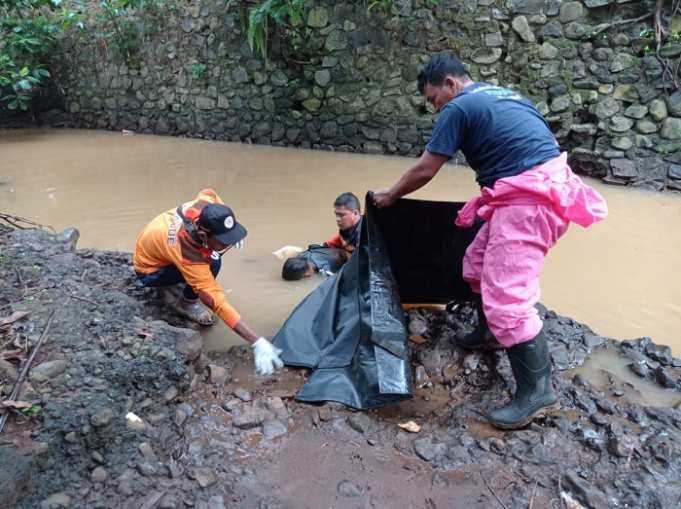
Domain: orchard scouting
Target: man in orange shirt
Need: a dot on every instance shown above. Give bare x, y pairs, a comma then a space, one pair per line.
348, 217
184, 245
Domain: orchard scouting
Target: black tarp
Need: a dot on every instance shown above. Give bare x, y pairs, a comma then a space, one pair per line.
351, 328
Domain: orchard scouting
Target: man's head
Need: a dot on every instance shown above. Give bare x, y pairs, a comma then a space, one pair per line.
218, 227
296, 268
442, 79
347, 210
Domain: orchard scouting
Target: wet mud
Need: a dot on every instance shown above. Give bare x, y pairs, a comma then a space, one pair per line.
131, 411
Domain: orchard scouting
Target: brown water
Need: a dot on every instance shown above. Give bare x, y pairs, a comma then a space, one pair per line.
622, 277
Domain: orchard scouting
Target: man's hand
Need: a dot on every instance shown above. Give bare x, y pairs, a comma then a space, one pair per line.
383, 198
266, 357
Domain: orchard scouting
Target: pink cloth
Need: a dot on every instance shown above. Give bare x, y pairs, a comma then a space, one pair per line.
525, 216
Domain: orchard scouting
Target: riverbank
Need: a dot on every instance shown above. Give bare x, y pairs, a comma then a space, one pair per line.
202, 431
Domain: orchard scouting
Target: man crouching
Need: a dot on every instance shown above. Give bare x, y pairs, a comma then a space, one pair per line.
184, 246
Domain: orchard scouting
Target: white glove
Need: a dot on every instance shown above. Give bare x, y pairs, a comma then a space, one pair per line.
239, 245
266, 357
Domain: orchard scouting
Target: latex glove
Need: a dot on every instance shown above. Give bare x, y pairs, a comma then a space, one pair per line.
239, 245
266, 357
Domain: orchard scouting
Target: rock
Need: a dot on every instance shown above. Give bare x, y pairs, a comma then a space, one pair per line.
146, 469
417, 326
16, 472
561, 103
646, 127
621, 445
204, 476
218, 375
170, 394
322, 78
586, 493
552, 29
585, 403
336, 40
427, 449
494, 40
657, 109
243, 394
69, 237
360, 422
605, 406
273, 429
592, 439
592, 341
486, 56
606, 108
99, 474
147, 452
547, 51
575, 30
48, 370
620, 124
55, 501
471, 362
622, 61
522, 28
671, 128
664, 378
626, 93
623, 168
248, 417
591, 4
660, 353
599, 419
636, 111
318, 17
570, 11
347, 489
640, 369
421, 378
102, 417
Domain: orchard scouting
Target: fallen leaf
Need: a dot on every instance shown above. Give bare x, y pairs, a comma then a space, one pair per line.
8, 403
16, 316
419, 340
410, 426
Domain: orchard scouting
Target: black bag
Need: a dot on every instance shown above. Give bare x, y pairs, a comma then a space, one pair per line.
351, 329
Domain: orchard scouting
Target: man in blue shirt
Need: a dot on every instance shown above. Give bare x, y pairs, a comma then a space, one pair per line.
528, 197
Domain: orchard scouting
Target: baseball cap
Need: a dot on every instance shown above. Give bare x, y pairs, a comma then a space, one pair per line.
220, 222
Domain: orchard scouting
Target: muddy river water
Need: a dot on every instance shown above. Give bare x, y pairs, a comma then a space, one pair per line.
622, 277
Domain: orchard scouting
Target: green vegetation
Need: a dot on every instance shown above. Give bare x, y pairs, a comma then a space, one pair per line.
28, 30
287, 16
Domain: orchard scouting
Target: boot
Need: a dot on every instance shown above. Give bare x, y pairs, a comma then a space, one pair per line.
534, 395
480, 337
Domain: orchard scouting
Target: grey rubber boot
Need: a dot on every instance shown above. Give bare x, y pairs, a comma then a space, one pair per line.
534, 395
480, 337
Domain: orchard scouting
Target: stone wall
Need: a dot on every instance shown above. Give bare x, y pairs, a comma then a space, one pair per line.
351, 85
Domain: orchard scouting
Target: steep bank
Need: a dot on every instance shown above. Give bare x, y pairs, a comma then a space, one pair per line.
213, 435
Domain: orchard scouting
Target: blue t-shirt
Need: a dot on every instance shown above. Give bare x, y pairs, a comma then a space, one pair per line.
499, 131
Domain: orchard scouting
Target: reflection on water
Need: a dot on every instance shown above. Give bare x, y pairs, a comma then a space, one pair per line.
621, 277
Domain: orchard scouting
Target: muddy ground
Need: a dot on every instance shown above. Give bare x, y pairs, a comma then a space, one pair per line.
203, 431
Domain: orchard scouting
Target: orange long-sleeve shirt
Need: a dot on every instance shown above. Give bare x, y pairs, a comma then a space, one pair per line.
165, 241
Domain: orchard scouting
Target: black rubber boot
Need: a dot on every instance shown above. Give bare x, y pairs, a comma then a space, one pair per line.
534, 395
480, 337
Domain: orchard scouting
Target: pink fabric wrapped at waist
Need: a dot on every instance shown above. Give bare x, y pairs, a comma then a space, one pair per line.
552, 183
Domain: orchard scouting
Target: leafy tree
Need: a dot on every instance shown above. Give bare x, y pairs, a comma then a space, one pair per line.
28, 30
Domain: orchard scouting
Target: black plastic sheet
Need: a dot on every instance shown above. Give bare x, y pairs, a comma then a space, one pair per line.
351, 329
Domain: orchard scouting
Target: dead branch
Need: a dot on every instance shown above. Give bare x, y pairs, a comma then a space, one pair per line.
18, 221
491, 490
606, 26
24, 370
